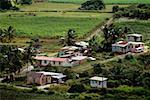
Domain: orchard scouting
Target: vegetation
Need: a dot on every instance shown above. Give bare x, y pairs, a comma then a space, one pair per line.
28, 24
25, 1
8, 4
136, 26
106, 1
140, 11
92, 5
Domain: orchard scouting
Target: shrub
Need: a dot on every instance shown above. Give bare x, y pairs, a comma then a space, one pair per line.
77, 88
93, 5
129, 57
60, 88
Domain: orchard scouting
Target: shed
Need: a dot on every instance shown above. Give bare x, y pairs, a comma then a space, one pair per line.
100, 82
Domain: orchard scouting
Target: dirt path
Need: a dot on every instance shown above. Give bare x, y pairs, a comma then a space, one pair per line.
99, 29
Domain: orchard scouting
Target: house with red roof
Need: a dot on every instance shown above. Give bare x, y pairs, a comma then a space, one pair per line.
54, 61
121, 47
125, 47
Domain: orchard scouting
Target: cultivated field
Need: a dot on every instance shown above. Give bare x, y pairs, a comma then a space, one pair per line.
106, 1
51, 24
49, 7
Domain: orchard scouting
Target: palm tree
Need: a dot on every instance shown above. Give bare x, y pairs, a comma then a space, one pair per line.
10, 32
70, 38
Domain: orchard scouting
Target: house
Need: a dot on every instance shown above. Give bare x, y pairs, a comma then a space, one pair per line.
134, 37
124, 47
100, 82
82, 44
137, 47
121, 47
79, 59
44, 61
42, 78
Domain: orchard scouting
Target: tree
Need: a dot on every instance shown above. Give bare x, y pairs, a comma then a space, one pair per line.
8, 4
70, 38
6, 35
5, 4
10, 33
115, 8
93, 5
11, 61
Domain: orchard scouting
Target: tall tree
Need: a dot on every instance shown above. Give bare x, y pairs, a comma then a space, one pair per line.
70, 38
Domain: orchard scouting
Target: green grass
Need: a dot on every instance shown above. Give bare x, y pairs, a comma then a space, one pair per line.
51, 24
106, 1
49, 7
15, 95
137, 26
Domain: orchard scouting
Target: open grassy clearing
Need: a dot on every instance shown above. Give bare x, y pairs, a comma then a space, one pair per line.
51, 24
15, 95
137, 26
56, 7
49, 7
106, 1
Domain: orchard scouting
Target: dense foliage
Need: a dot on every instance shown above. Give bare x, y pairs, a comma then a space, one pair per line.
141, 11
93, 5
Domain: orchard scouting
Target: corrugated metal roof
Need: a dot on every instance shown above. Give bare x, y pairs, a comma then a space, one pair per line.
96, 78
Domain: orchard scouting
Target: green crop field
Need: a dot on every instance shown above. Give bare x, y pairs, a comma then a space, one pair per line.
137, 26
49, 7
106, 1
51, 24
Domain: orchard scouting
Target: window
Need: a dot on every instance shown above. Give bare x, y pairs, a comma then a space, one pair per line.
45, 61
59, 63
99, 82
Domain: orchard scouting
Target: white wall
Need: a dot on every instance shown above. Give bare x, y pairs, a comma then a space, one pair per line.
99, 84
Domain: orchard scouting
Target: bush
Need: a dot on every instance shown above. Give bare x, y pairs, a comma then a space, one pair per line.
93, 5
34, 88
84, 74
129, 57
77, 88
59, 88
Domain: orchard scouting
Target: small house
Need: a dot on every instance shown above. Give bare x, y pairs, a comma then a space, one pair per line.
100, 82
79, 59
134, 37
44, 61
121, 47
42, 78
137, 46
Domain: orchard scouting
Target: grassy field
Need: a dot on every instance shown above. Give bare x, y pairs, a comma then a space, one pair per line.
106, 1
51, 24
49, 7
137, 26
57, 7
11, 95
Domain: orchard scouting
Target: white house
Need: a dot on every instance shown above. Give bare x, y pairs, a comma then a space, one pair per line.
100, 82
52, 61
137, 46
134, 37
